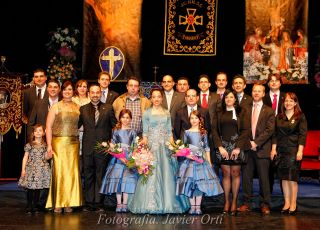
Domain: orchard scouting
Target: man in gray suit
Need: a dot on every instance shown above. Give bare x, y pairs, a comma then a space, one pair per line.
262, 127
98, 120
172, 100
108, 96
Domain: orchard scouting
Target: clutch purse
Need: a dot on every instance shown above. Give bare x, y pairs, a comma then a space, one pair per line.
242, 157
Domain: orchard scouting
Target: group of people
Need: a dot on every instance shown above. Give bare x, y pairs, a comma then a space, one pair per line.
226, 129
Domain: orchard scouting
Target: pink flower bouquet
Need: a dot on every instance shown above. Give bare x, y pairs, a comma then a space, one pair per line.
112, 149
180, 149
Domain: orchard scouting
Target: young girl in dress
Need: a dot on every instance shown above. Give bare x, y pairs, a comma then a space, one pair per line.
118, 178
194, 178
35, 173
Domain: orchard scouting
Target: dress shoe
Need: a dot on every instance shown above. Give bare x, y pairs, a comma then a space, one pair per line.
124, 208
68, 210
225, 212
192, 210
293, 212
284, 211
99, 209
265, 210
119, 208
198, 210
88, 209
244, 208
57, 210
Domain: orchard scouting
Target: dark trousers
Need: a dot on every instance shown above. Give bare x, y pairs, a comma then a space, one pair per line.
32, 198
262, 167
43, 198
94, 167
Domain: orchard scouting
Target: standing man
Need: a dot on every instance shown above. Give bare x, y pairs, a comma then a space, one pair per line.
108, 96
182, 121
39, 115
262, 126
205, 94
182, 84
238, 85
32, 94
98, 120
274, 99
135, 102
172, 100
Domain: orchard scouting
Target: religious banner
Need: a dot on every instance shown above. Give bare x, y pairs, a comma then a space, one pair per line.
10, 103
276, 41
112, 61
190, 27
111, 23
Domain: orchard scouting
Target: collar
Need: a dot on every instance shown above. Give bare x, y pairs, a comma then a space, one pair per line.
169, 92
207, 92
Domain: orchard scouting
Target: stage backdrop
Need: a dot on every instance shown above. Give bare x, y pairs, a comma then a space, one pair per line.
190, 27
276, 41
112, 23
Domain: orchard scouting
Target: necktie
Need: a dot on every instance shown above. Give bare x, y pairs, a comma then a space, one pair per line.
274, 102
239, 98
204, 101
103, 97
221, 95
96, 114
191, 110
254, 120
39, 94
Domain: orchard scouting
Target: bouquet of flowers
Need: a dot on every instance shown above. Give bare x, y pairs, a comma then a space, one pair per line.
112, 149
62, 46
141, 160
180, 149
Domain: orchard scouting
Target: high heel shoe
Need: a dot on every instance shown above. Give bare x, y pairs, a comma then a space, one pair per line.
294, 212
284, 211
225, 212
233, 212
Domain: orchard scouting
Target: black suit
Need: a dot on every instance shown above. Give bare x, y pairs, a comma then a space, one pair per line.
182, 121
29, 100
268, 101
211, 97
177, 102
95, 163
39, 112
111, 97
246, 101
260, 158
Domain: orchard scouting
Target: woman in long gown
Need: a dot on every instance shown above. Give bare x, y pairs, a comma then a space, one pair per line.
157, 195
63, 142
288, 142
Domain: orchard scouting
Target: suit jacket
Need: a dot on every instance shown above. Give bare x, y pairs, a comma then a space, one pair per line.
246, 101
211, 96
111, 96
182, 121
264, 131
177, 102
96, 133
267, 100
214, 105
30, 98
39, 112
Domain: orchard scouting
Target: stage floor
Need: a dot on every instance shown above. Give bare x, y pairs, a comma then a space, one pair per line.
12, 213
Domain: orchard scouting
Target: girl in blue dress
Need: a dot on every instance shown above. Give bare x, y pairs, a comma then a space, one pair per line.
197, 179
157, 195
118, 178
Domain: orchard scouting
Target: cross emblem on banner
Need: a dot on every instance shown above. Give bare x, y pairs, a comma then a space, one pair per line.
191, 20
112, 59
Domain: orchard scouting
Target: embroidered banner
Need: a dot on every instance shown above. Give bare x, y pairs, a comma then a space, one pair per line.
276, 41
10, 103
190, 27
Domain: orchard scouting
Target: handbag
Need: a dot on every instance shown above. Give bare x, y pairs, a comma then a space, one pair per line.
242, 158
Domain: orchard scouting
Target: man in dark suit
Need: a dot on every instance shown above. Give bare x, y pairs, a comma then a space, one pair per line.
172, 100
41, 108
32, 94
39, 116
182, 121
206, 96
262, 127
98, 120
238, 85
108, 96
274, 99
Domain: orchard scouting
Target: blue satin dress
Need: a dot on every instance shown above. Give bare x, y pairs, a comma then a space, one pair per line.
196, 179
118, 178
157, 195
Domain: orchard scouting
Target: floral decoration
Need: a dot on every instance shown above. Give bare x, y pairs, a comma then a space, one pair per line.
179, 149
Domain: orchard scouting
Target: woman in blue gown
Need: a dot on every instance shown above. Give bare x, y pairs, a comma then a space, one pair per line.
157, 195
118, 178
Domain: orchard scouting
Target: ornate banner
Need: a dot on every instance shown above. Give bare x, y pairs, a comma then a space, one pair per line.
190, 27
10, 103
276, 41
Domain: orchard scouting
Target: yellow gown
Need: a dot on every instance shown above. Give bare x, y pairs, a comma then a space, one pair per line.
65, 188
